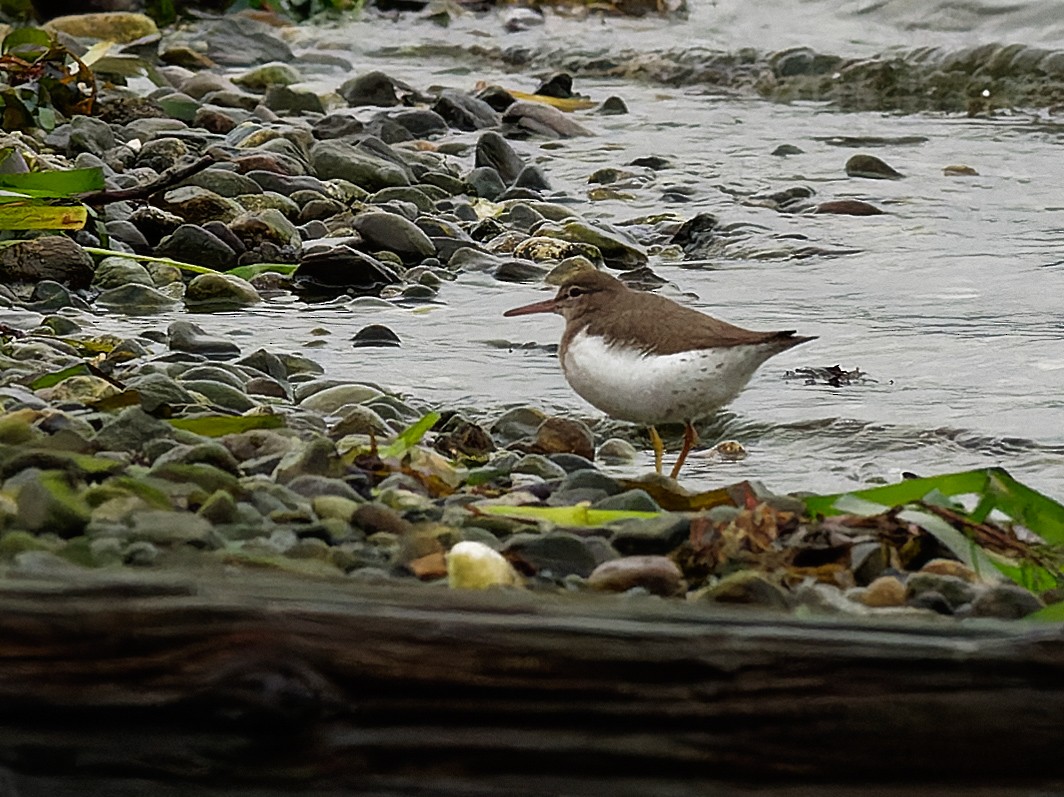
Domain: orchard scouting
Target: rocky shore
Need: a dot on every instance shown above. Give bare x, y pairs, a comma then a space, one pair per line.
180, 448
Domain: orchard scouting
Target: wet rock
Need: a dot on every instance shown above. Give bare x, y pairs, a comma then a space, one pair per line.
473, 565
81, 389
871, 167
316, 456
657, 535
50, 257
544, 120
956, 591
749, 588
269, 225
372, 88
959, 170
635, 500
191, 243
238, 40
658, 575
564, 435
784, 150
198, 206
130, 430
618, 249
932, 601
88, 134
848, 207
342, 269
538, 465
337, 125
113, 272
359, 419
485, 182
395, 234
160, 154
376, 518
556, 553
155, 223
127, 233
951, 567
1006, 601
286, 100
339, 160
612, 106
220, 291
136, 299
464, 112
616, 451
158, 391
224, 182
189, 337
516, 424
375, 335
496, 152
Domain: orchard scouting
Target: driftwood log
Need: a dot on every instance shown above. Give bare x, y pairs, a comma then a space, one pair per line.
270, 685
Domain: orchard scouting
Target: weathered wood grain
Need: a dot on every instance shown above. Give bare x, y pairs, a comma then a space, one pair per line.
270, 685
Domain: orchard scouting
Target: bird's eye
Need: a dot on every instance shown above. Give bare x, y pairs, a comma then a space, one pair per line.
575, 291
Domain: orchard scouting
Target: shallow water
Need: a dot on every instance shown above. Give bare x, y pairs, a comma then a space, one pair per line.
951, 303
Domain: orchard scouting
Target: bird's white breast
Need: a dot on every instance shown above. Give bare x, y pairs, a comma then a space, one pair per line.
657, 388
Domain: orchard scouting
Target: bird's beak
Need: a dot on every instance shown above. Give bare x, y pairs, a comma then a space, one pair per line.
546, 306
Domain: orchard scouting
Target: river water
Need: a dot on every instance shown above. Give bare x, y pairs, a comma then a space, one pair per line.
950, 302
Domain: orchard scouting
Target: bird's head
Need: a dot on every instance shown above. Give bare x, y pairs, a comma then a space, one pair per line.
576, 294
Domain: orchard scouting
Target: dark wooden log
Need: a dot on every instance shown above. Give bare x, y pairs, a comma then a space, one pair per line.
272, 685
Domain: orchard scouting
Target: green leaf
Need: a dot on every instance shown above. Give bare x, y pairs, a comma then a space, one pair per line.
409, 437
219, 425
247, 272
56, 183
54, 378
581, 515
963, 548
904, 492
1053, 613
30, 215
33, 40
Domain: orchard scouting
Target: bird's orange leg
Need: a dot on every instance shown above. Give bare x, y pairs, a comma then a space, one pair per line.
690, 440
659, 448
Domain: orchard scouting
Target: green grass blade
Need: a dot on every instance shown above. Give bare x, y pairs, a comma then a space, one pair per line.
54, 378
904, 492
247, 272
579, 516
1026, 506
409, 437
95, 250
219, 425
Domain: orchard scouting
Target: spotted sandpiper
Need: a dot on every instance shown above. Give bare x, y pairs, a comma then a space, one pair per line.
643, 358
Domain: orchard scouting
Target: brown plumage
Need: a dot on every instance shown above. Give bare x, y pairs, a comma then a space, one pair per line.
646, 359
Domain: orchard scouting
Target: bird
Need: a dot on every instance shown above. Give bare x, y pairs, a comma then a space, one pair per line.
645, 359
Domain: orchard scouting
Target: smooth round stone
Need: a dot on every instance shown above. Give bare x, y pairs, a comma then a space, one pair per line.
559, 553
657, 535
630, 501
565, 435
286, 100
81, 389
749, 588
371, 88
200, 84
210, 453
517, 424
287, 185
362, 420
474, 565
538, 465
870, 166
1006, 601
130, 429
197, 205
265, 362
191, 243
269, 200
215, 373
89, 134
375, 335
484, 182
127, 233
956, 591
136, 299
224, 182
395, 234
884, 591
337, 125
590, 478
332, 398
267, 387
274, 73
335, 159
314, 486
658, 575
188, 337
268, 224
218, 291
156, 389
161, 154
616, 451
